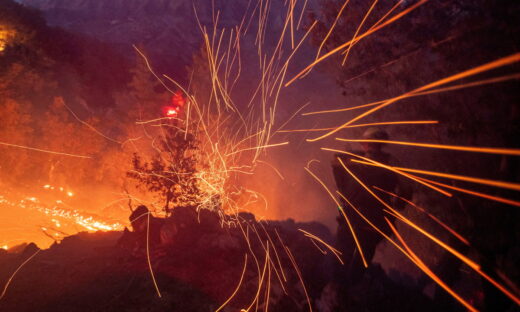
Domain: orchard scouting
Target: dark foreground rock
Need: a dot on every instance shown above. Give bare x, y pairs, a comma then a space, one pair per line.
197, 266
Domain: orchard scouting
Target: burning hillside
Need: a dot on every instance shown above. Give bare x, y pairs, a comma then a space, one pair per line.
150, 151
203, 265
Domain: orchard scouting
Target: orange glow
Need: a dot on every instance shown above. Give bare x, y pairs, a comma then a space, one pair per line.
6, 35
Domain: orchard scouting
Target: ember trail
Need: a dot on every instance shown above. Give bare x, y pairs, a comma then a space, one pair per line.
295, 155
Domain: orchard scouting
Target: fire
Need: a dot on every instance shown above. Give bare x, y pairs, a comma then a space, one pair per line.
177, 103
6, 36
170, 112
62, 218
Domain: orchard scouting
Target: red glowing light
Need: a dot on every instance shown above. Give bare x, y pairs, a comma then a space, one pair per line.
178, 100
171, 111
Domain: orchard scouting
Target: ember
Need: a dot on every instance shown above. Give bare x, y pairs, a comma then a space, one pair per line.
368, 116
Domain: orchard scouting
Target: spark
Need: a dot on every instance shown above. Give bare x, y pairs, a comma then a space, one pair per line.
293, 261
257, 148
463, 190
487, 150
420, 265
444, 225
347, 44
428, 272
276, 253
357, 31
16, 271
313, 238
43, 150
434, 91
88, 125
386, 123
457, 254
478, 194
508, 60
342, 213
370, 161
238, 286
500, 184
331, 28
148, 256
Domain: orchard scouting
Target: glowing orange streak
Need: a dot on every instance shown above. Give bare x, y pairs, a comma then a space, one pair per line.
404, 219
238, 286
301, 14
276, 254
428, 272
488, 150
246, 238
277, 49
291, 16
387, 13
324, 252
261, 281
278, 81
342, 213
381, 19
501, 184
287, 61
292, 116
343, 109
409, 256
268, 292
476, 70
257, 148
88, 125
357, 31
148, 256
331, 28
16, 271
43, 150
411, 122
491, 197
151, 70
343, 46
288, 251
409, 176
314, 237
270, 260
449, 229
464, 259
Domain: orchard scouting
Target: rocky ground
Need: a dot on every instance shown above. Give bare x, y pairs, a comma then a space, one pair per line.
197, 267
